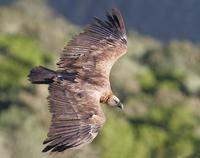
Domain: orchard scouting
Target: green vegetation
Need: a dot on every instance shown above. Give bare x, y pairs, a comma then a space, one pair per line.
17, 55
159, 85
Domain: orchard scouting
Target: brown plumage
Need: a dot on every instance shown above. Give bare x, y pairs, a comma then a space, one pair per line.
82, 82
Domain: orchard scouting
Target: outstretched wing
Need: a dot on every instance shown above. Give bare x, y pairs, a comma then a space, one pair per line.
93, 52
76, 113
76, 117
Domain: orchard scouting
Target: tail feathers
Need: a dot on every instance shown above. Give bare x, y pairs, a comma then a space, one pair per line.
41, 75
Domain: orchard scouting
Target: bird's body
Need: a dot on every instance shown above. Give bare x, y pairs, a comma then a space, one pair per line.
81, 83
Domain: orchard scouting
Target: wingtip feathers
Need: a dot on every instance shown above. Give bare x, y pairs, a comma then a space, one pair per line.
117, 18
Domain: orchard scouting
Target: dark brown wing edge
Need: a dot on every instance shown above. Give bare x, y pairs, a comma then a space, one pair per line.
117, 17
113, 26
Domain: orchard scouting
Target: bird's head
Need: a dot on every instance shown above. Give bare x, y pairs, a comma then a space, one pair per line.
114, 101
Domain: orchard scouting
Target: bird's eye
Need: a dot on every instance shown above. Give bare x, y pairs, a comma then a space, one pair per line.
116, 101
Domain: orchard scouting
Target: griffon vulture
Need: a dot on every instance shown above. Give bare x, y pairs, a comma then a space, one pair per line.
81, 83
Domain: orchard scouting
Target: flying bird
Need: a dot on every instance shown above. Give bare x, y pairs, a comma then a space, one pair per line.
81, 83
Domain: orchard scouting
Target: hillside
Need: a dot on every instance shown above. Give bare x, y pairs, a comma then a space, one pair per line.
162, 19
158, 83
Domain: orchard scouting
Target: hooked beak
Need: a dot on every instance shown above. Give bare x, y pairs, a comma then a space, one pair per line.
120, 105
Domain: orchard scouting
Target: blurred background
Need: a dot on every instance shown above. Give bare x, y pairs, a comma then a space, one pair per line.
158, 80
